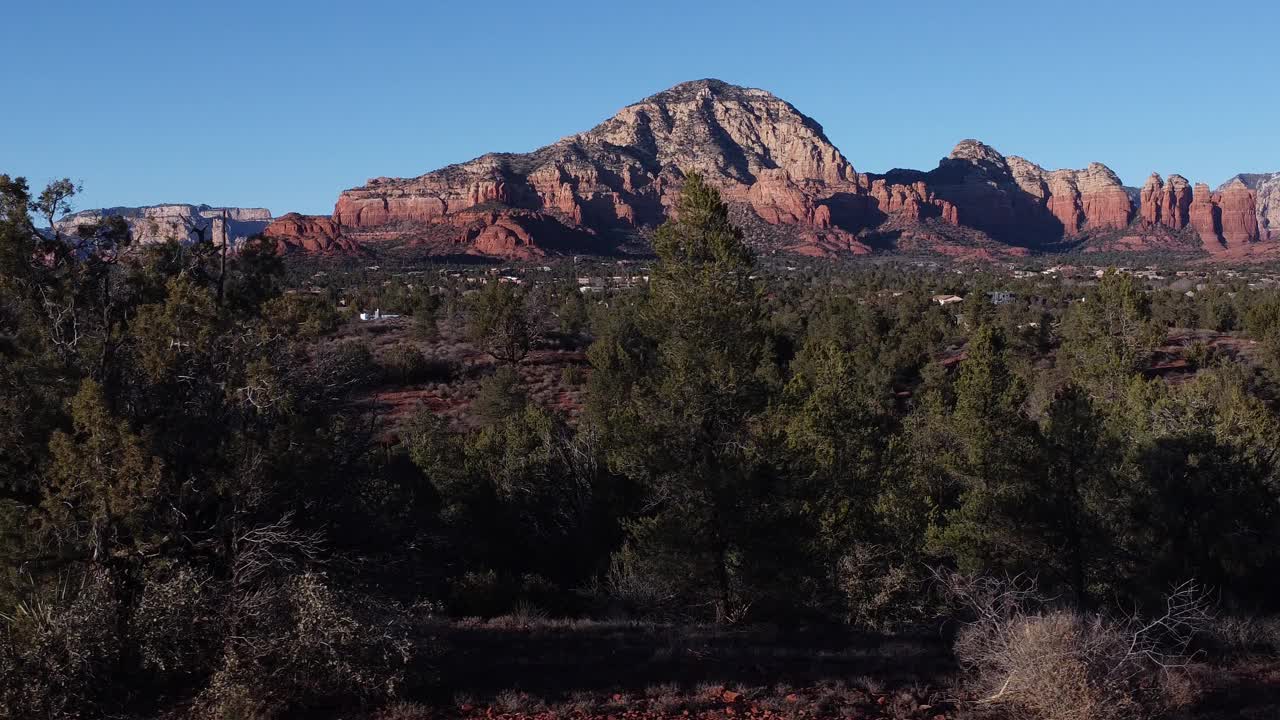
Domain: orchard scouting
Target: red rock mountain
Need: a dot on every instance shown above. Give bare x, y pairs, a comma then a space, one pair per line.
603, 189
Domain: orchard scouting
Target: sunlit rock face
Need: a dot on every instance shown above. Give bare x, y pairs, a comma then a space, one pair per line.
183, 223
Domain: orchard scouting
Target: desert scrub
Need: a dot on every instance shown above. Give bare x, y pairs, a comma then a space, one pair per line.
1032, 659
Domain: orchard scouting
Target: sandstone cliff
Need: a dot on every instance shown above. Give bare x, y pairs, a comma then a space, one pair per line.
1266, 188
1224, 220
184, 223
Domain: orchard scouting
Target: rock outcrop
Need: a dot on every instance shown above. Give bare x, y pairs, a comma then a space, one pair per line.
1204, 216
1237, 214
1166, 203
184, 223
309, 233
1093, 198
1226, 219
1016, 200
1266, 189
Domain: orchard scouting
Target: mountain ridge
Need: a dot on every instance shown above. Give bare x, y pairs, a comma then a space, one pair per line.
604, 189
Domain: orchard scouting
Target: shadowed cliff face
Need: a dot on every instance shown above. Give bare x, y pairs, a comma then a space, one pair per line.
1018, 202
585, 192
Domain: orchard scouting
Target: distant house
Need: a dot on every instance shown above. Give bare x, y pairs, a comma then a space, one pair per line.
1000, 297
947, 299
377, 315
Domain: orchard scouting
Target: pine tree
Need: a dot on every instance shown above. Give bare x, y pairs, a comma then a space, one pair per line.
501, 324
687, 427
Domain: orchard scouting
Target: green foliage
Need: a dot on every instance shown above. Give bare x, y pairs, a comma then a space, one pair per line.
194, 500
426, 317
501, 396
572, 314
253, 277
174, 335
405, 363
700, 238
156, 448
988, 446
1111, 334
500, 324
102, 483
308, 316
689, 403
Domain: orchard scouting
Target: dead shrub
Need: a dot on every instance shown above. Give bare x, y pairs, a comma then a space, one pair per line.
176, 625
481, 594
404, 711
1062, 665
300, 643
879, 591
60, 649
1242, 636
514, 702
634, 584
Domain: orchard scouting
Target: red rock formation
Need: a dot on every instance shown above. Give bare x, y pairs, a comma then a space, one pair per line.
827, 244
625, 173
779, 201
310, 233
1266, 191
1105, 201
1167, 204
1204, 217
1089, 199
1237, 213
1225, 219
1149, 200
912, 201
1015, 200
504, 236
773, 163
375, 211
1176, 207
756, 148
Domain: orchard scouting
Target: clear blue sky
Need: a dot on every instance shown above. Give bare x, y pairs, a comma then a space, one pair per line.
284, 104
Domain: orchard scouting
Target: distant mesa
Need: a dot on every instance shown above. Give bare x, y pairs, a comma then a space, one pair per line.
180, 222
604, 190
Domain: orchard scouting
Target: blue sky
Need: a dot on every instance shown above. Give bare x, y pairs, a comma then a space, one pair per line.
284, 104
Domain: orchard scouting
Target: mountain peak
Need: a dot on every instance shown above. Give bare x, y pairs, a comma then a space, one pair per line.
692, 90
975, 151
